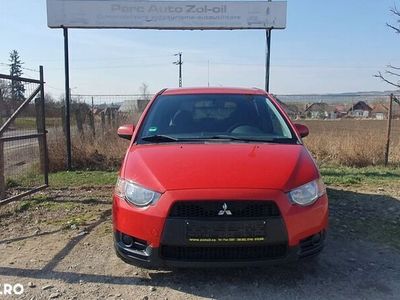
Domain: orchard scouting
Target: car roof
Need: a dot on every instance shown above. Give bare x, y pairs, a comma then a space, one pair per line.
214, 90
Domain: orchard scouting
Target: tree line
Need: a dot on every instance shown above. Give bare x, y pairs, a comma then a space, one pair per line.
12, 92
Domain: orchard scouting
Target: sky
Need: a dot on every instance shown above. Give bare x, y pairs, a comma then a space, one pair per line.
327, 47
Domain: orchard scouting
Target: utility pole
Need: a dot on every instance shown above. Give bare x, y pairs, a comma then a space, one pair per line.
179, 62
67, 102
267, 57
389, 129
2, 178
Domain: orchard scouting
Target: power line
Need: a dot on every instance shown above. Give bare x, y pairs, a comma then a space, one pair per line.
123, 58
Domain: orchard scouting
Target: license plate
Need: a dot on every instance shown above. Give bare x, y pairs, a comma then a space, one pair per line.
225, 232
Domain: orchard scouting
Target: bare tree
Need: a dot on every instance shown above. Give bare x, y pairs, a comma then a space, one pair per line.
144, 91
392, 73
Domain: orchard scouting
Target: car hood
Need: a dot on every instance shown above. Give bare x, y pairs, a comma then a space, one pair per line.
164, 167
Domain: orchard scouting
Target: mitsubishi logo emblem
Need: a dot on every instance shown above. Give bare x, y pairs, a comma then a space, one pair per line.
224, 211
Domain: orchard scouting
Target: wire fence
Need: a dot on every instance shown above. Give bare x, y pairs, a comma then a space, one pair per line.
95, 119
23, 154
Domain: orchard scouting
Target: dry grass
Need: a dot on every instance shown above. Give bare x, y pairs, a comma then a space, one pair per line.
104, 152
346, 142
351, 142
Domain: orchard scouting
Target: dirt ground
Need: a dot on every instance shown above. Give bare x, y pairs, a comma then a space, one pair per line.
58, 245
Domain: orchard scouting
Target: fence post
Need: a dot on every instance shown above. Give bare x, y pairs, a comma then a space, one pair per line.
389, 128
113, 119
103, 122
2, 178
79, 123
109, 117
91, 119
45, 154
91, 123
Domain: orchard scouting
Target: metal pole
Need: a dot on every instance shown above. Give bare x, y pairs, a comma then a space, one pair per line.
180, 69
2, 171
179, 62
67, 101
267, 59
389, 128
43, 127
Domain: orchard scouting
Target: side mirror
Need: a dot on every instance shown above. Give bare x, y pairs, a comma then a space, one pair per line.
126, 131
302, 130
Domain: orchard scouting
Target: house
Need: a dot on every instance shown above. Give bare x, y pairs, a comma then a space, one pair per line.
320, 110
380, 111
106, 106
360, 110
341, 110
102, 110
291, 109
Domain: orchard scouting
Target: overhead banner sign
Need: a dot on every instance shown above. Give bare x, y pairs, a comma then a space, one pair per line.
202, 15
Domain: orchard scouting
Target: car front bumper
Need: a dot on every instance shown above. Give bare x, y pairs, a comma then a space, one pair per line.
154, 258
155, 238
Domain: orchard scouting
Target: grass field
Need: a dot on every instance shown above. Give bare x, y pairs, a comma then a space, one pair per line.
82, 178
30, 123
351, 142
346, 142
373, 176
333, 175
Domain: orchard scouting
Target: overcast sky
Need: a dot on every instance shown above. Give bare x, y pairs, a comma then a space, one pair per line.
328, 46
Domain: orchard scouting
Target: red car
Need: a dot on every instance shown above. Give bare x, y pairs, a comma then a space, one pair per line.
217, 177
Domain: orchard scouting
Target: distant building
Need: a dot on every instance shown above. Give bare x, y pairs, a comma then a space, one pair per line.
320, 110
379, 111
105, 109
341, 110
360, 110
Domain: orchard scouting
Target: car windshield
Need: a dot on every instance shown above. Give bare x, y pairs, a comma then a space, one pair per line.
199, 117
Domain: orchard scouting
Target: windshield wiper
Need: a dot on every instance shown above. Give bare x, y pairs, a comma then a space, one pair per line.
249, 139
236, 138
159, 138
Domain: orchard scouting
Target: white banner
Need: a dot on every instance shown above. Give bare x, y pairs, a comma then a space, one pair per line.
166, 14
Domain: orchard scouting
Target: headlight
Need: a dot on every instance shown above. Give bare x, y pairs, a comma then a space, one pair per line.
135, 194
308, 193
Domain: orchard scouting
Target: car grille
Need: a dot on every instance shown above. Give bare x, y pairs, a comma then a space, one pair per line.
231, 253
210, 209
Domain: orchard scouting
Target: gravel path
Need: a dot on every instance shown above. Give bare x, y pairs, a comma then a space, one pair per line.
53, 255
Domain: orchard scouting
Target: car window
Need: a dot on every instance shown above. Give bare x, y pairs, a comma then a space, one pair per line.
209, 115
